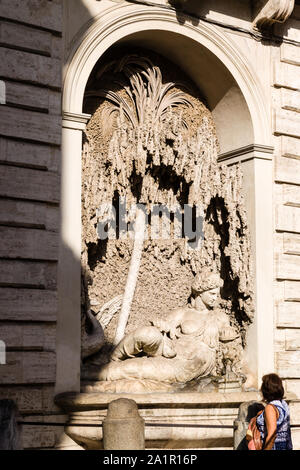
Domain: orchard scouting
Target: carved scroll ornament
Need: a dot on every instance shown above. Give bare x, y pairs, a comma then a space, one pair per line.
272, 11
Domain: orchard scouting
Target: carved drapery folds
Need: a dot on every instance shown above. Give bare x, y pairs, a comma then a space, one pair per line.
272, 11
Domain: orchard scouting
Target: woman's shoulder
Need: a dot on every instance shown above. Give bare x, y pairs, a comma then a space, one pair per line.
282, 407
271, 407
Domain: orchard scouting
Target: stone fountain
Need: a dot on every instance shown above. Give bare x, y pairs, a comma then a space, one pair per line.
167, 279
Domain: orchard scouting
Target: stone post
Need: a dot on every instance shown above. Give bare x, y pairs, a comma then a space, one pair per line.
247, 410
10, 430
123, 428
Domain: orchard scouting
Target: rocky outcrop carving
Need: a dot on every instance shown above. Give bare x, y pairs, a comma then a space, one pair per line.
272, 11
151, 141
148, 132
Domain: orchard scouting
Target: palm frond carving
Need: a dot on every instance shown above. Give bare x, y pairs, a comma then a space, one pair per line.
147, 99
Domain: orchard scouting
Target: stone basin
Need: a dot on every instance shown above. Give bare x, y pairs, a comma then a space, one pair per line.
172, 420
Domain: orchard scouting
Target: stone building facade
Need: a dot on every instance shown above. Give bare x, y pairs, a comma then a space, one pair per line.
244, 58
31, 37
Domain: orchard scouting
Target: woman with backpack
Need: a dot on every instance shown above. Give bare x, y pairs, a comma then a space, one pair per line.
274, 422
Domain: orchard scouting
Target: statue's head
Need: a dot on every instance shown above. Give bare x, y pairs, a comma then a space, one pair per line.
206, 287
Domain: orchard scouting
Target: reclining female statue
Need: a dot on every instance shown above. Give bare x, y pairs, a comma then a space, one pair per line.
179, 348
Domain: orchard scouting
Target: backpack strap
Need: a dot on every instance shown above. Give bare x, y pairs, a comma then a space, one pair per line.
269, 445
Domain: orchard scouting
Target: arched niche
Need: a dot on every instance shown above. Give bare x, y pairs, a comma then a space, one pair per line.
218, 88
232, 92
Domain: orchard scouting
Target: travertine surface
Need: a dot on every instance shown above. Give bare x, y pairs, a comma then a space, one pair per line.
193, 343
30, 189
31, 36
286, 206
159, 148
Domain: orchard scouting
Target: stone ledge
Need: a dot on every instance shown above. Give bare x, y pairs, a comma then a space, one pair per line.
172, 420
188, 420
97, 401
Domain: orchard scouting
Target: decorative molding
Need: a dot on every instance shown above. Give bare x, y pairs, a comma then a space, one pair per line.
75, 121
272, 11
121, 20
249, 152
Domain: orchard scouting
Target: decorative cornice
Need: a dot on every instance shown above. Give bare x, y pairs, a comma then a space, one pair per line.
249, 152
75, 121
272, 11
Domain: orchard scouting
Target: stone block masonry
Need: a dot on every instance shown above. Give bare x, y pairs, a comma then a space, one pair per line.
30, 140
286, 129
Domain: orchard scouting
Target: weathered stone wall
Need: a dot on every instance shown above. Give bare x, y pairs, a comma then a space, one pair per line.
30, 138
286, 109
